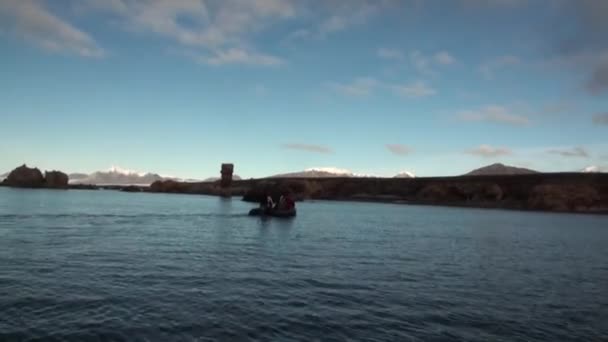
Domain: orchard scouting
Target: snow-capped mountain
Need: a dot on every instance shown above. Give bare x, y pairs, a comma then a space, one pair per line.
119, 176
324, 172
405, 174
320, 172
594, 169
115, 176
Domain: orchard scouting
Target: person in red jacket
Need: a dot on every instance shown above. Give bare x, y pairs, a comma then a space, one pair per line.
289, 202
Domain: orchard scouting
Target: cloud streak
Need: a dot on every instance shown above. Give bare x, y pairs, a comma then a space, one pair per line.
31, 21
487, 151
495, 114
365, 86
576, 152
308, 148
398, 149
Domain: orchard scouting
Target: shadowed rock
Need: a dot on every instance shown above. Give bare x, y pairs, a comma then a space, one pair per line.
55, 180
25, 177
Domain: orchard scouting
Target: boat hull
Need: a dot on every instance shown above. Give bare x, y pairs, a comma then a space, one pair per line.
272, 213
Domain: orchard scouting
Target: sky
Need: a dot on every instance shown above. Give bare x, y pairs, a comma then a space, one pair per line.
377, 87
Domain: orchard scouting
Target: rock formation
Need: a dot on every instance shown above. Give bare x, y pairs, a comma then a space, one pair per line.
25, 177
55, 180
227, 170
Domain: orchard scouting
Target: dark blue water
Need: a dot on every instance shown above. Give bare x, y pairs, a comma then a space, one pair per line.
104, 265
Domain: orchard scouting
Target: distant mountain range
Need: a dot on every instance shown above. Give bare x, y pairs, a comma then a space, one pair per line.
115, 176
119, 176
331, 172
500, 169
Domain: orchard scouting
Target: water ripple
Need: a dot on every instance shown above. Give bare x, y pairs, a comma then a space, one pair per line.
109, 266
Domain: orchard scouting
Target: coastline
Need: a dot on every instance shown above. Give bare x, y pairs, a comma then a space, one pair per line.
550, 192
546, 192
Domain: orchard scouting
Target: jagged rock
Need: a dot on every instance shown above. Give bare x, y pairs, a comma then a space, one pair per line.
55, 180
25, 177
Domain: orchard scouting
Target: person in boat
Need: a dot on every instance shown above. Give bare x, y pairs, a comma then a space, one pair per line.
266, 202
290, 204
281, 204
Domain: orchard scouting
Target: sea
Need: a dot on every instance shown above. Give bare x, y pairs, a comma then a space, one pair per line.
111, 266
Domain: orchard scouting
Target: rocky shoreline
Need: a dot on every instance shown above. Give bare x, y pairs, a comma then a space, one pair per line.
554, 192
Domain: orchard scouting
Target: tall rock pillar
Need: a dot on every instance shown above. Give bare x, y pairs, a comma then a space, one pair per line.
227, 170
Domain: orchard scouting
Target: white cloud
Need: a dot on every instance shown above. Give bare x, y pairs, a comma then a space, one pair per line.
360, 87
416, 89
444, 58
217, 31
394, 54
30, 20
489, 68
487, 151
493, 113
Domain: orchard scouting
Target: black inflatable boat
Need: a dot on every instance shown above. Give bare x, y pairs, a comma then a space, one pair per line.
272, 213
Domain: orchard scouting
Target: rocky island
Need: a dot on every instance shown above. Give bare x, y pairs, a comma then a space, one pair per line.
25, 177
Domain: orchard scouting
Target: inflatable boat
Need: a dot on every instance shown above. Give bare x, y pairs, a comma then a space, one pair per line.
273, 213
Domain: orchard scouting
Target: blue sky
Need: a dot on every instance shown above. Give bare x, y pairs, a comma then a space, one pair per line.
373, 86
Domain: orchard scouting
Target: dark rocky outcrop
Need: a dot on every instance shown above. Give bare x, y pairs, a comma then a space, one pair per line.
567, 192
83, 187
55, 180
132, 188
25, 177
